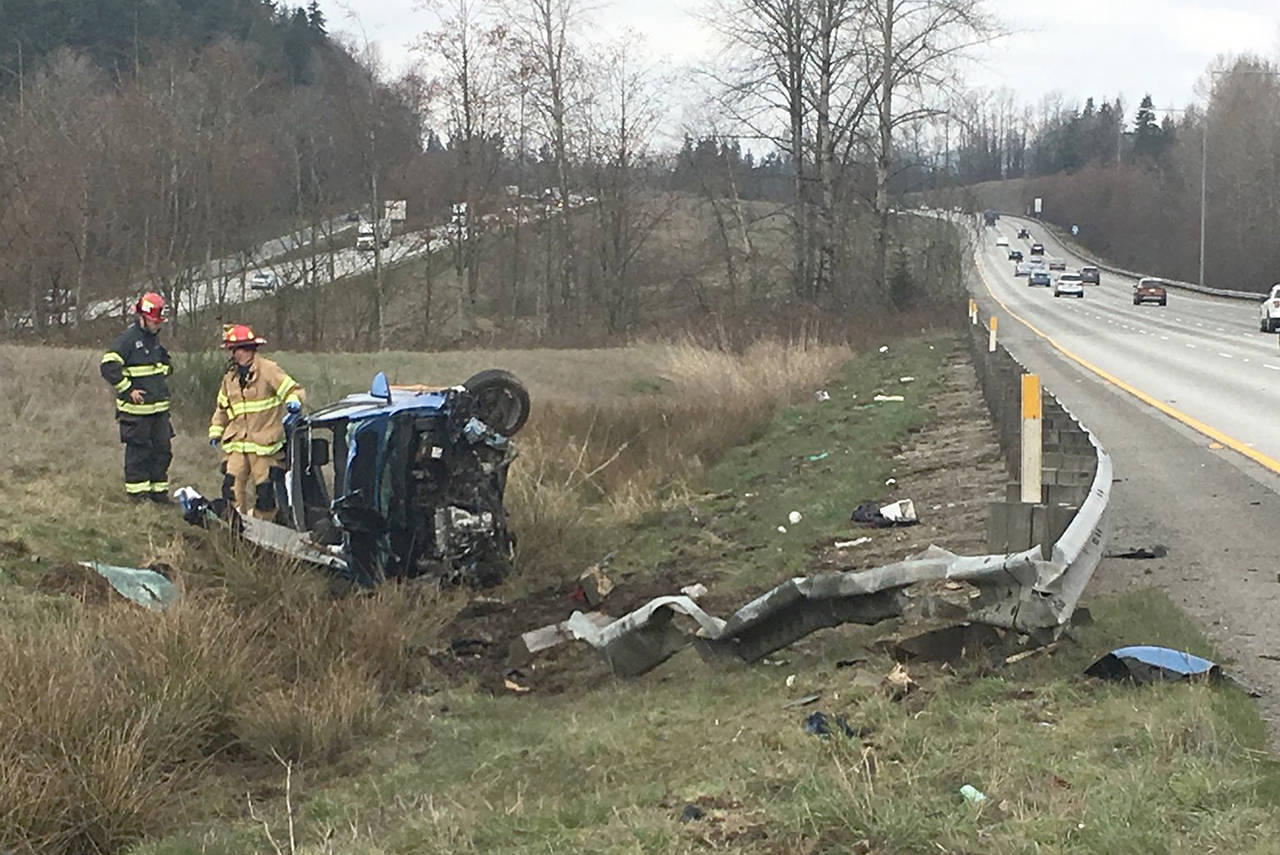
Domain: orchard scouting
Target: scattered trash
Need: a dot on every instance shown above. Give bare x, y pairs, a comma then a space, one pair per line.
849, 544
906, 379
804, 701
1018, 657
901, 512
791, 680
814, 458
884, 348
822, 396
1147, 664
147, 588
523, 649
849, 663
972, 794
794, 517
593, 584
892, 482
695, 591
899, 682
1142, 553
885, 399
513, 686
691, 813
782, 529
818, 724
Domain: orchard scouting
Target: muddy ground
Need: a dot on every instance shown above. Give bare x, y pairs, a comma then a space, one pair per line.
951, 468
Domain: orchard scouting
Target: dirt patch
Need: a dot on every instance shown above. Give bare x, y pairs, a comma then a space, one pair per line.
951, 469
78, 582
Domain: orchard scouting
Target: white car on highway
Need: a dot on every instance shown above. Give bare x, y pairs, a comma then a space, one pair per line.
1002, 241
1269, 311
1068, 285
1057, 264
1026, 268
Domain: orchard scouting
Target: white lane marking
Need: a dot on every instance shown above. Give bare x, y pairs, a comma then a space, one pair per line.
1244, 360
1220, 329
1164, 338
1226, 356
1272, 367
1192, 346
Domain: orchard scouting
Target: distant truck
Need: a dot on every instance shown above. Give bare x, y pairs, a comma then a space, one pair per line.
368, 235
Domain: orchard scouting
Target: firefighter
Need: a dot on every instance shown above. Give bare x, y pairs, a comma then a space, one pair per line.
257, 400
136, 367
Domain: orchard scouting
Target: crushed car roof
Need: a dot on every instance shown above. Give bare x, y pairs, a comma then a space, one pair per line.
364, 405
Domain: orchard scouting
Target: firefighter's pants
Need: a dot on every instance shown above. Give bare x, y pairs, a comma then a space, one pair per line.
147, 452
248, 478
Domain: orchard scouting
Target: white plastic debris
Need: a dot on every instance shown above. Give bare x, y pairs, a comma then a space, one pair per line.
906, 379
822, 395
791, 680
884, 348
794, 517
850, 544
695, 591
782, 529
891, 482
887, 398
903, 510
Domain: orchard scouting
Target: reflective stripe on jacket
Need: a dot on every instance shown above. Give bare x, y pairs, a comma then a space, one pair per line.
249, 416
137, 360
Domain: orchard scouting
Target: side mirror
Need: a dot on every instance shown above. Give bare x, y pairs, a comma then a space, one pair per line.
380, 387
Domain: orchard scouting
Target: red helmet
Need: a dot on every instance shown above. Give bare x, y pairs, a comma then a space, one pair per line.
240, 335
151, 306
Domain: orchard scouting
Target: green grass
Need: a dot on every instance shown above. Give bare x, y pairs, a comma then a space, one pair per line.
1068, 764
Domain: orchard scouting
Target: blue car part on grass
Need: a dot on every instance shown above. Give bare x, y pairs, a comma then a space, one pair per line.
1147, 663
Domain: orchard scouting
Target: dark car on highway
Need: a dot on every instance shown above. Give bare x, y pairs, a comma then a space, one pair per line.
1089, 274
1149, 290
1015, 255
1037, 249
1040, 277
1024, 233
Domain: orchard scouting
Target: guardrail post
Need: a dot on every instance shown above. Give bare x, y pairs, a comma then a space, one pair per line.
1032, 439
973, 311
991, 339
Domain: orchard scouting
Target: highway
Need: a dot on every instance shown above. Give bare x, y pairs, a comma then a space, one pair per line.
1214, 506
1201, 357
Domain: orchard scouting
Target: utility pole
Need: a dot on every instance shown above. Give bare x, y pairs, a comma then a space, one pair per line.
374, 213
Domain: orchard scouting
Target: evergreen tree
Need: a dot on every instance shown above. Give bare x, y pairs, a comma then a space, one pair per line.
1149, 140
316, 18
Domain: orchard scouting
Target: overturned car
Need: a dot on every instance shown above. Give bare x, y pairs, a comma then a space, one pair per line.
404, 481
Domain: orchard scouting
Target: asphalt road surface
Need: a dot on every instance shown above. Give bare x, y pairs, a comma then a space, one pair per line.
1190, 411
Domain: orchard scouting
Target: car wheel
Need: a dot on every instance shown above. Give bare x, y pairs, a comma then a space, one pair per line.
1137, 302
1269, 325
1080, 295
502, 402
1164, 302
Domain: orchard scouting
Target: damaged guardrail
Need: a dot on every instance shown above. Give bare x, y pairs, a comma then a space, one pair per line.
1255, 296
1044, 555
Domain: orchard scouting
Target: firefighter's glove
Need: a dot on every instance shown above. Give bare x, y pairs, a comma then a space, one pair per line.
293, 412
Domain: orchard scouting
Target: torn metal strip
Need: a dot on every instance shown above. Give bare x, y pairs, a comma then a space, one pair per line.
286, 541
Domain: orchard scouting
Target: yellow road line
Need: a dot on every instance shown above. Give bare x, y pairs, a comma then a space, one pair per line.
1195, 424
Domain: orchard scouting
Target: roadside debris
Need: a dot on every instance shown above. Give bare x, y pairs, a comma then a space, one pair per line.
902, 512
884, 348
818, 724
1026, 654
1147, 664
147, 588
794, 517
898, 682
948, 644
513, 686
691, 813
850, 544
803, 701
822, 396
814, 458
888, 399
526, 646
1142, 553
593, 584
972, 794
695, 591
906, 379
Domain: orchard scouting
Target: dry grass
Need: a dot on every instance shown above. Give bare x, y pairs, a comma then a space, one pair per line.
261, 660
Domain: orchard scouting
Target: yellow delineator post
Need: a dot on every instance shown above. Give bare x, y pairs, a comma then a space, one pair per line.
991, 339
1032, 447
973, 311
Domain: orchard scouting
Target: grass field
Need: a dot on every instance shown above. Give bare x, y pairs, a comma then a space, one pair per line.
149, 731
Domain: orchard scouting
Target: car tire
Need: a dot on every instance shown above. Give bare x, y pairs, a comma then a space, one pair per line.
1137, 302
501, 400
1269, 325
1164, 302
1080, 296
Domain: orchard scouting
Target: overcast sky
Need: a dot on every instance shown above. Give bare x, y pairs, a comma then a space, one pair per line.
1078, 48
